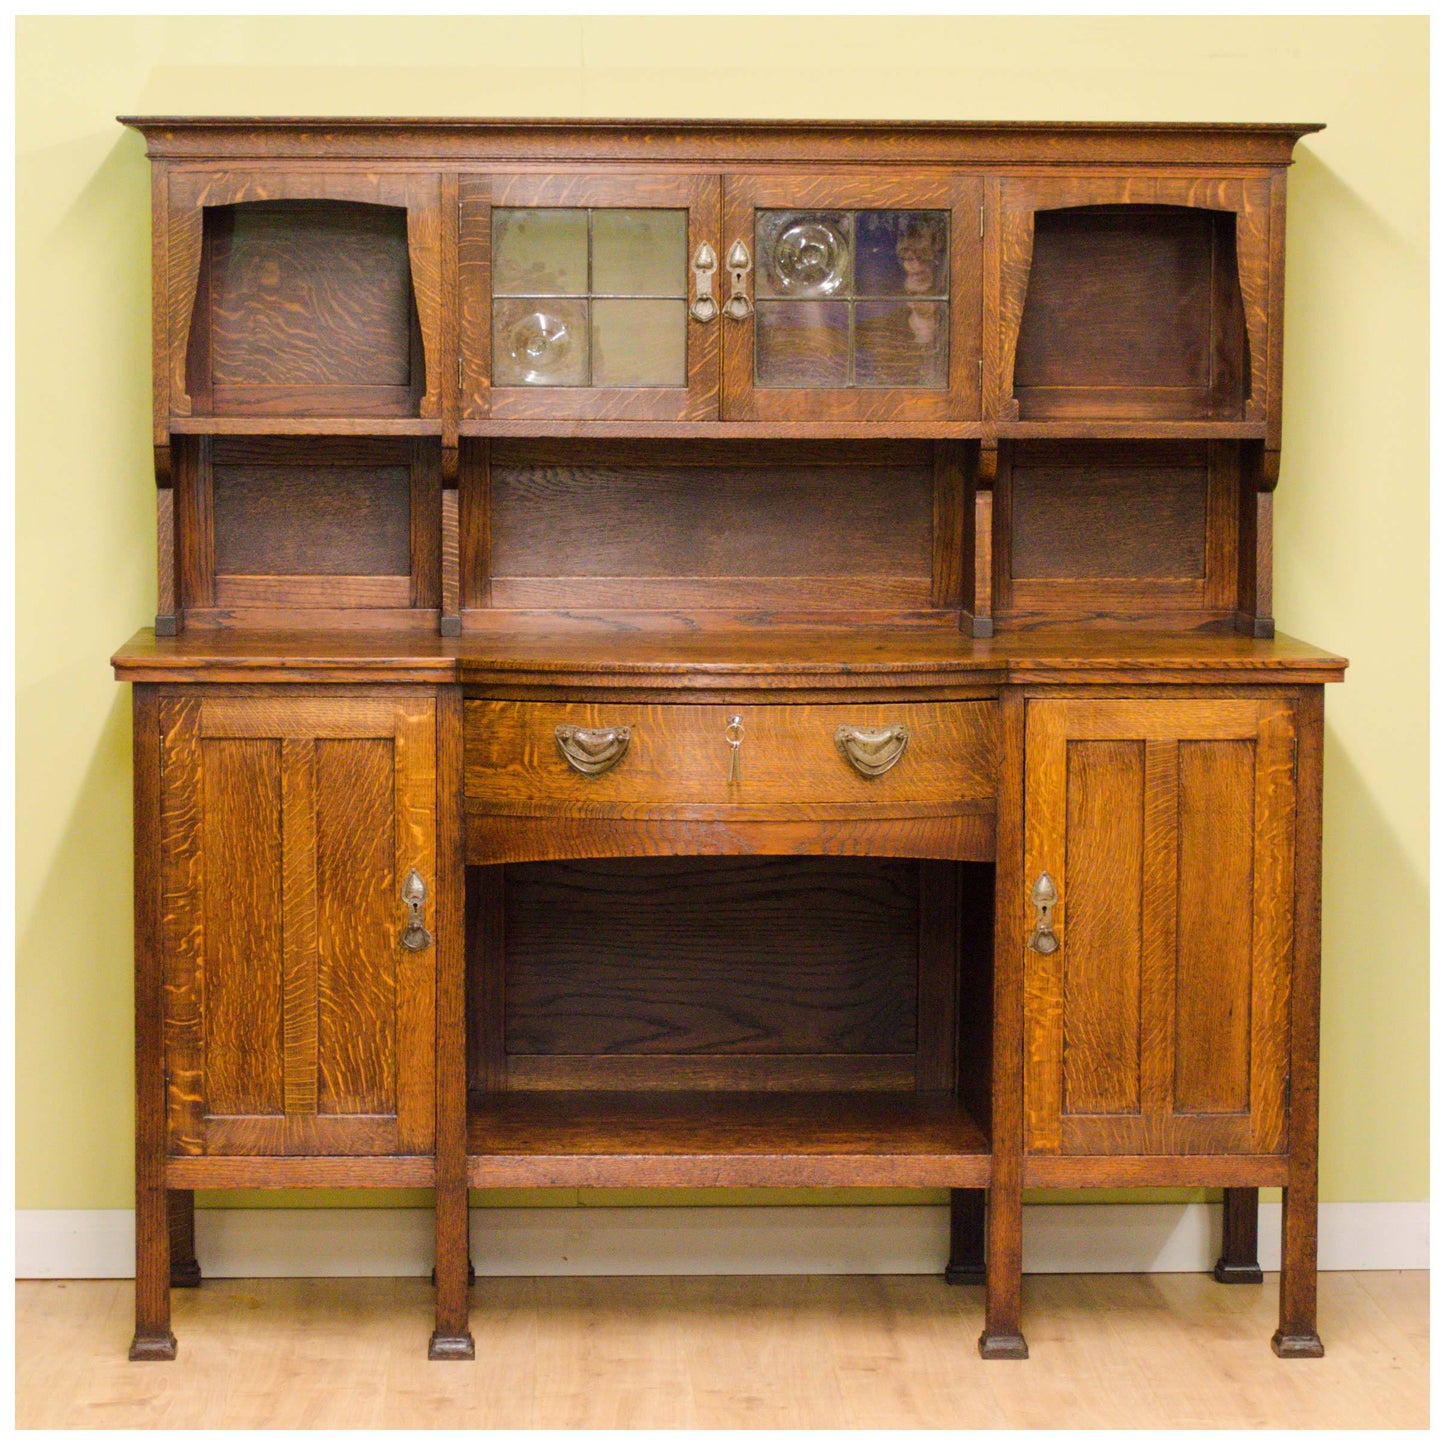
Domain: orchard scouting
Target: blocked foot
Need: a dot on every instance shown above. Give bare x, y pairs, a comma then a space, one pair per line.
964, 1273
1227, 1273
153, 1346
451, 1347
1297, 1347
185, 1274
1002, 1347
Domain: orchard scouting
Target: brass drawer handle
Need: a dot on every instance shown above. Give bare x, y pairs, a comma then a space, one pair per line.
591, 751
1044, 897
872, 751
414, 936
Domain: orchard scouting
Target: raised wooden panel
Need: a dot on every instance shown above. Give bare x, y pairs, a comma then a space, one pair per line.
1104, 839
295, 1022
356, 926
1212, 991
241, 976
1156, 1027
317, 520
271, 525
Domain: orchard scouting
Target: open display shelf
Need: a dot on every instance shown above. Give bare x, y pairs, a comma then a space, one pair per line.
704, 1138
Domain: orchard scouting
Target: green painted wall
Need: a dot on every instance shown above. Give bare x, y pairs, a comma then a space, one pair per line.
1351, 518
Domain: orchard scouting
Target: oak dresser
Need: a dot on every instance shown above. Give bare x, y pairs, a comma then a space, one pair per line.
700, 654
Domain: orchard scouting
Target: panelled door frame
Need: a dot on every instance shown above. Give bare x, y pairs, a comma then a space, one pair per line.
1160, 725
696, 192
409, 723
891, 190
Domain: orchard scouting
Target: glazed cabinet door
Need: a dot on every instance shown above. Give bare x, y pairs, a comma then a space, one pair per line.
589, 297
852, 297
1158, 927
299, 1005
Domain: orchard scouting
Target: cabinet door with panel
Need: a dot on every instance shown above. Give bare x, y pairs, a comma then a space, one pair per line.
1158, 926
851, 296
589, 296
298, 838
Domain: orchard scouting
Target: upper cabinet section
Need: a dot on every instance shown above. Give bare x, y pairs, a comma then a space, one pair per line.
1136, 299
301, 294
960, 281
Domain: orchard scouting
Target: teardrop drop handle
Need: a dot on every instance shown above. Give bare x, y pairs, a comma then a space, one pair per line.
1044, 897
739, 305
704, 267
415, 937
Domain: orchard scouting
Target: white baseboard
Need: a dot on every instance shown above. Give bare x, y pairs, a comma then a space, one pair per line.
830, 1239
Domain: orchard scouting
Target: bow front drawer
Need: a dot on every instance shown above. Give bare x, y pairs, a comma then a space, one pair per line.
594, 758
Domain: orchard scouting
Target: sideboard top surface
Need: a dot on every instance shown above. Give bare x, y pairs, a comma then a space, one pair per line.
617, 651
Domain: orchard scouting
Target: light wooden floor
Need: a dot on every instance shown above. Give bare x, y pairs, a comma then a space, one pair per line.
1107, 1350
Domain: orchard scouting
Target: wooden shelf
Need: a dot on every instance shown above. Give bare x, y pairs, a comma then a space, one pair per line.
306, 426
1142, 429
696, 1139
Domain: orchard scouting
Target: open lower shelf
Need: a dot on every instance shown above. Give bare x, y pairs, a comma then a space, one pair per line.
695, 1139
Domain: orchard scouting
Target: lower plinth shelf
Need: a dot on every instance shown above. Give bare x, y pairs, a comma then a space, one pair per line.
697, 1139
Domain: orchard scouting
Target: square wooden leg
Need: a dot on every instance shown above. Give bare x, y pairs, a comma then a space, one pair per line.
181, 1211
1238, 1261
966, 1215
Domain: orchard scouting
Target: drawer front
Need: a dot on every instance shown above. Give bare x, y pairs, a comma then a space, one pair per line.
679, 756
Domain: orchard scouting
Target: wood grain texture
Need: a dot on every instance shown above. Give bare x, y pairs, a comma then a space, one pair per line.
1213, 990
241, 990
679, 755
1101, 916
659, 534
1145, 296
1299, 1246
690, 1139
1204, 1053
152, 1338
1012, 1010
308, 519
967, 836
305, 294
300, 1003
455, 940
291, 1026
818, 957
